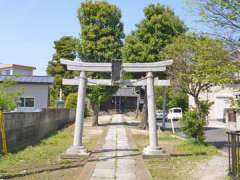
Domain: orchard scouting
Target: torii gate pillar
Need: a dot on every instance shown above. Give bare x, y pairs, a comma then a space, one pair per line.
152, 149
78, 148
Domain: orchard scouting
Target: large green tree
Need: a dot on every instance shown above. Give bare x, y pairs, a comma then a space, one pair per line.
101, 40
223, 15
65, 47
152, 34
199, 63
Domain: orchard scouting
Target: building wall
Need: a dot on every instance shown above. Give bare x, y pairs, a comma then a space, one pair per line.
120, 104
38, 91
28, 128
22, 72
221, 98
6, 71
15, 71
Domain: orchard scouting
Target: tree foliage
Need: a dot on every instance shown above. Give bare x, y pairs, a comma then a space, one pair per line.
65, 47
7, 97
223, 14
175, 98
152, 34
101, 31
100, 41
199, 63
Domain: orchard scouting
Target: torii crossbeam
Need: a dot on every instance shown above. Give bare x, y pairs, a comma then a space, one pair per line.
108, 82
82, 81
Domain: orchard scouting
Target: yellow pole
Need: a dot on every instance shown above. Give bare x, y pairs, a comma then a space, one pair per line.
2, 127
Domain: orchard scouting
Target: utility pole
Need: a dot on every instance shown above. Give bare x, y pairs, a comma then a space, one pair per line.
164, 108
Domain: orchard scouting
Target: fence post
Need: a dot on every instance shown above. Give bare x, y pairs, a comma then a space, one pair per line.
234, 155
229, 153
2, 127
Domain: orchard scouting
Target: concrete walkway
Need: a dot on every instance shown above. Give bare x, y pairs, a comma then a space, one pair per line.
116, 160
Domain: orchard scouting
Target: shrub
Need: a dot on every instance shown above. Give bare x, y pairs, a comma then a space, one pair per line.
194, 125
194, 121
204, 107
71, 102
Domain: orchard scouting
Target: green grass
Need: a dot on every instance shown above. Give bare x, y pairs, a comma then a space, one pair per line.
45, 153
175, 167
191, 147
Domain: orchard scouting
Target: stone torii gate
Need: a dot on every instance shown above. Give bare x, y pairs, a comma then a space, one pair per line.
77, 149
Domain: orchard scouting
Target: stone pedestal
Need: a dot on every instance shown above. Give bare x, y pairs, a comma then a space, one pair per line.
151, 152
74, 152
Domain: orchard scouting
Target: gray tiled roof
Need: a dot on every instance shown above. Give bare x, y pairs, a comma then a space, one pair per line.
29, 79
126, 91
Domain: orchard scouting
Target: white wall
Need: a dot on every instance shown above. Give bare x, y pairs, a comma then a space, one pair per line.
38, 92
221, 99
6, 71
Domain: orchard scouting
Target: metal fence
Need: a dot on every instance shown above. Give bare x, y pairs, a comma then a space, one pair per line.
234, 154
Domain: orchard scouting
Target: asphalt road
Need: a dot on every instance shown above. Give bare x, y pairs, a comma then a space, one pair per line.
214, 136
217, 137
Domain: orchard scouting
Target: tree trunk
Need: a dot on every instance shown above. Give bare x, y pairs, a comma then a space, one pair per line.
197, 102
95, 110
144, 120
198, 107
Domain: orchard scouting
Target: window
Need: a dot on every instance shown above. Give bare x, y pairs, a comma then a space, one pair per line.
26, 102
232, 116
177, 110
238, 96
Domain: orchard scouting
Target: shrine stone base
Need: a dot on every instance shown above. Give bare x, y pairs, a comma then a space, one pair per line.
75, 152
149, 152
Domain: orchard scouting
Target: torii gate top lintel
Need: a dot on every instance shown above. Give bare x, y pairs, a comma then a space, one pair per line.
125, 67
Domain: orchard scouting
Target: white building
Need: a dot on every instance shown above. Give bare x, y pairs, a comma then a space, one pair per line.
15, 69
221, 96
34, 89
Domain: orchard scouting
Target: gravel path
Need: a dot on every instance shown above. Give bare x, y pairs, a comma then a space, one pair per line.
214, 169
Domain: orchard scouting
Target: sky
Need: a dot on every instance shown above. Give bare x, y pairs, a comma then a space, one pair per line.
28, 28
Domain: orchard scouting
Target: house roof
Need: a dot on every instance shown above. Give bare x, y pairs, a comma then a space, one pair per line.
126, 91
29, 79
17, 66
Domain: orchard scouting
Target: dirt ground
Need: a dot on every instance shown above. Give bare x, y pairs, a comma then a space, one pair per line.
62, 174
213, 169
